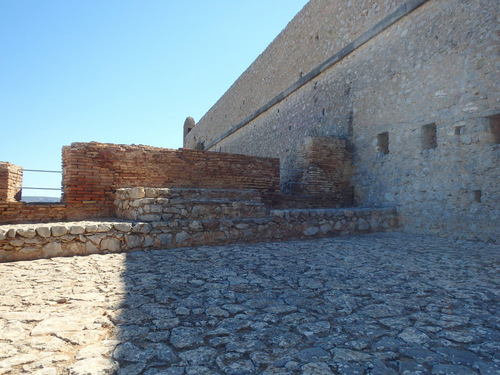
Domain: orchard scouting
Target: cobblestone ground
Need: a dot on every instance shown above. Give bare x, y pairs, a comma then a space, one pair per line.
372, 304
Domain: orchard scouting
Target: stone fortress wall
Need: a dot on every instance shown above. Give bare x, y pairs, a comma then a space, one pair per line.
412, 85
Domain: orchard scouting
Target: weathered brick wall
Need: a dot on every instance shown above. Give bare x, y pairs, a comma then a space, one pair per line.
11, 182
93, 171
21, 212
322, 170
437, 66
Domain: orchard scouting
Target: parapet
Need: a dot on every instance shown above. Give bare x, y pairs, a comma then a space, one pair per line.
11, 182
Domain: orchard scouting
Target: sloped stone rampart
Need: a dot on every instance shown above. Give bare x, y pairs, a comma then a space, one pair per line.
34, 241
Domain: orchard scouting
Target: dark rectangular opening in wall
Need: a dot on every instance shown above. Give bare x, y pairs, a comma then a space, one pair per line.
477, 196
429, 137
383, 143
495, 128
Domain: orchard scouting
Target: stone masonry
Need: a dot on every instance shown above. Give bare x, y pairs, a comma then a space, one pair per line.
159, 218
93, 171
412, 84
387, 303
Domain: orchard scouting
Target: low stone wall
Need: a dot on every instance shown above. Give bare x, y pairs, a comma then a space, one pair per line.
34, 241
160, 204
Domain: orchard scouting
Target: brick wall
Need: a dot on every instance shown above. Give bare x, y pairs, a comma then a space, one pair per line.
322, 171
93, 171
11, 182
20, 212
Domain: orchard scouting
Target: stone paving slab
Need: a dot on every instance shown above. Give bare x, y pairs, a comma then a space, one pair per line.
387, 303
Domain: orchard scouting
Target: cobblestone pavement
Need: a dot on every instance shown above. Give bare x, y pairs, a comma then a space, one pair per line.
372, 304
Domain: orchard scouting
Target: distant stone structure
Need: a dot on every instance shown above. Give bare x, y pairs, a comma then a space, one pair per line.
120, 198
410, 85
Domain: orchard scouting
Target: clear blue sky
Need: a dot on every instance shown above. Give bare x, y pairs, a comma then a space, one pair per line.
119, 71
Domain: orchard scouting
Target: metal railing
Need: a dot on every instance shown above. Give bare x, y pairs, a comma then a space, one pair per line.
40, 188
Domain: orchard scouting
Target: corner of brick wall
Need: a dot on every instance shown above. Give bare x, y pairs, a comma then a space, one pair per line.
11, 182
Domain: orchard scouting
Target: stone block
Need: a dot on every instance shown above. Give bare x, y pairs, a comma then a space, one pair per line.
59, 230
137, 193
311, 231
123, 227
111, 244
149, 217
95, 239
44, 232
181, 237
77, 229
148, 241
141, 228
26, 232
52, 249
165, 239
363, 224
133, 241
90, 248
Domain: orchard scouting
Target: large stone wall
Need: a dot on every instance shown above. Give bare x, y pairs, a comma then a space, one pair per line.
413, 85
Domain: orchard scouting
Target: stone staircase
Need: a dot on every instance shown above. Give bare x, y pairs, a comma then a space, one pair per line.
166, 204
152, 218
162, 218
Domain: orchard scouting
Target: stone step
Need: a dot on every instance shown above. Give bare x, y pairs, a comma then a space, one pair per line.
150, 209
190, 193
156, 204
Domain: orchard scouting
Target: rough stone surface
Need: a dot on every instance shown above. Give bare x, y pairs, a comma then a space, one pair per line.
118, 236
387, 303
415, 101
